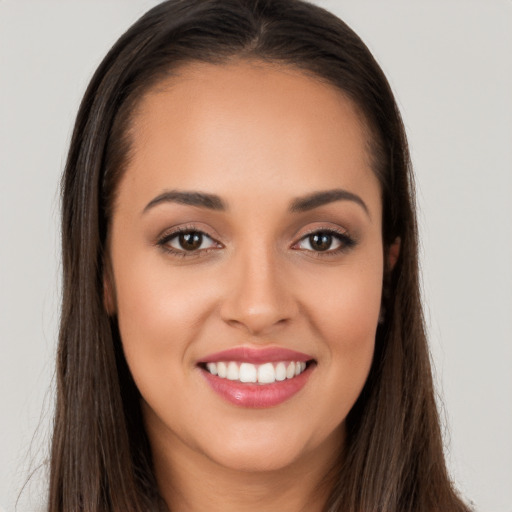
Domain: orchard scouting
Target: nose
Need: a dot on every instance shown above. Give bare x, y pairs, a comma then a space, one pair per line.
259, 299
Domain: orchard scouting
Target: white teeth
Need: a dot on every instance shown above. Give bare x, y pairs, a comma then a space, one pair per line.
222, 370
248, 373
232, 371
280, 371
266, 373
212, 368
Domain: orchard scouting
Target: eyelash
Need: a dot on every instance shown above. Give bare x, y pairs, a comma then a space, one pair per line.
345, 240
166, 238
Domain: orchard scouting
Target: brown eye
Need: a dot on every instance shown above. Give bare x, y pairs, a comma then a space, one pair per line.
325, 241
320, 241
187, 241
190, 241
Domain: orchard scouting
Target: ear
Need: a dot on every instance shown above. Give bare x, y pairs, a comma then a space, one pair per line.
109, 293
391, 257
393, 254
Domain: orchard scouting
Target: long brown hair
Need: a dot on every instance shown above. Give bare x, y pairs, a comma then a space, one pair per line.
100, 460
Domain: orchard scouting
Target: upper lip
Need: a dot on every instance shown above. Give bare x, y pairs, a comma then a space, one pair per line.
256, 355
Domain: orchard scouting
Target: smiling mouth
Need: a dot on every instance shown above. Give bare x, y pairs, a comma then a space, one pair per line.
257, 385
265, 373
257, 377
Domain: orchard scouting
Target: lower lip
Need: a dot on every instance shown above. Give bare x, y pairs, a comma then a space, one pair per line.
257, 395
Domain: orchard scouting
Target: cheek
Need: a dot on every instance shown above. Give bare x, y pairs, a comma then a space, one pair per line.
347, 306
346, 317
160, 313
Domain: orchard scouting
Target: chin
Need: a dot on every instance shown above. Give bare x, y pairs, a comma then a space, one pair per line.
253, 457
272, 449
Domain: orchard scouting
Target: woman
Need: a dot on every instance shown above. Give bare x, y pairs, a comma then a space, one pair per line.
241, 323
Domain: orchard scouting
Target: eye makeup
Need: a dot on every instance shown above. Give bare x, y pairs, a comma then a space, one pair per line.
190, 241
321, 241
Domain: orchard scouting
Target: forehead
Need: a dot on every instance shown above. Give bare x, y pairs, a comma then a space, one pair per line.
247, 126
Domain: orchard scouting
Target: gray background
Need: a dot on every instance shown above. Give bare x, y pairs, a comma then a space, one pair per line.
449, 64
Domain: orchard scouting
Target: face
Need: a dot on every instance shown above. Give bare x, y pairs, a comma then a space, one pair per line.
247, 264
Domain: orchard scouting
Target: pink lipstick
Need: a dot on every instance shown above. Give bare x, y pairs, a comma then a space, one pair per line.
257, 378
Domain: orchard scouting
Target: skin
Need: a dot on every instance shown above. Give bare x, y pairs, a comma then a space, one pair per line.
258, 136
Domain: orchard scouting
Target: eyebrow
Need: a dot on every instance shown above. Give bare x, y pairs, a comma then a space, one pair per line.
214, 202
200, 199
317, 199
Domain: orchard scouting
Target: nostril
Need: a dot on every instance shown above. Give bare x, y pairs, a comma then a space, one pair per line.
257, 323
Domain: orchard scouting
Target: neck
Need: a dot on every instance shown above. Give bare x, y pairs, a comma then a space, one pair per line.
191, 482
